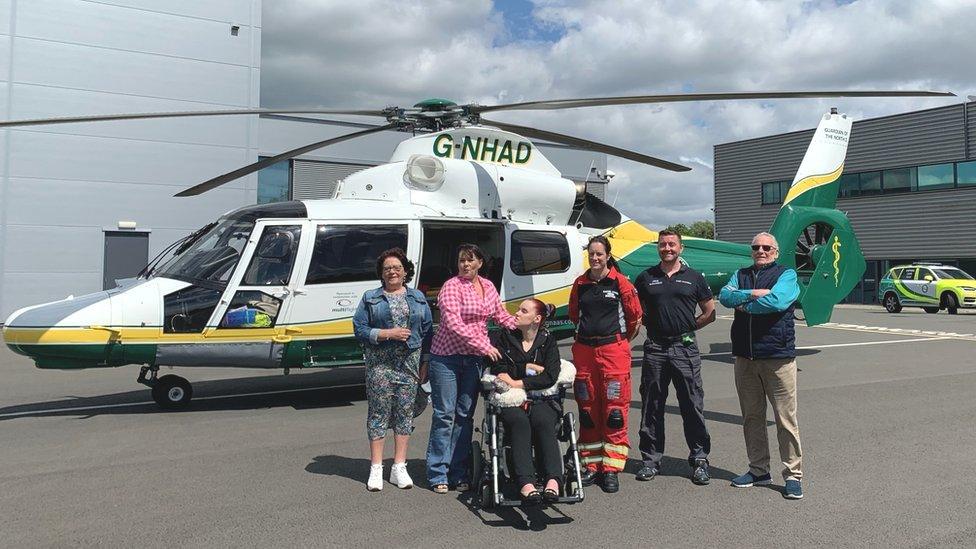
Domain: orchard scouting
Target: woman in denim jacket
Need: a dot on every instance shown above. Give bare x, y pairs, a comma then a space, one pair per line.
394, 324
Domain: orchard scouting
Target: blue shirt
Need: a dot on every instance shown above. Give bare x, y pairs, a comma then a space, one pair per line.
779, 298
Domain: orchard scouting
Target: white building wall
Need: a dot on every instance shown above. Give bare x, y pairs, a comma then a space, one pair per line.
60, 186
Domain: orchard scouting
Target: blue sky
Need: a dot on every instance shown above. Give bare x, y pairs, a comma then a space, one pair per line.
521, 26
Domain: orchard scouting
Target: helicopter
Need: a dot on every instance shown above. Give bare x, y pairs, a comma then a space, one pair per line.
275, 285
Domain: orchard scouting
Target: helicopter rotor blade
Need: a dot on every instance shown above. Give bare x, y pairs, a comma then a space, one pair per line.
178, 114
588, 145
683, 97
251, 168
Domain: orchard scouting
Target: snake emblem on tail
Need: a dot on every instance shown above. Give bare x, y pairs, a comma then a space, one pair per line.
836, 249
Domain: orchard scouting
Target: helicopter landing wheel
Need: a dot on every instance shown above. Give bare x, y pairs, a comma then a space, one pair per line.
172, 392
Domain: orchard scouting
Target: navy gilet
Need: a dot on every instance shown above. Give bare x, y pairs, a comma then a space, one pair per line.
767, 335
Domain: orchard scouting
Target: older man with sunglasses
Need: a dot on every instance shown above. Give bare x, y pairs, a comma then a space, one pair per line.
763, 343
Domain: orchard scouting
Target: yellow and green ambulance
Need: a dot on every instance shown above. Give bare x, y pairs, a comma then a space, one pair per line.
931, 286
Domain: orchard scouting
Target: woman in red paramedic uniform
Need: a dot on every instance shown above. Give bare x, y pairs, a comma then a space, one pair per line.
604, 306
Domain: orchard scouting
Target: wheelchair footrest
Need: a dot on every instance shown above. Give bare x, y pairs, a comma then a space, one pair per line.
518, 502
510, 503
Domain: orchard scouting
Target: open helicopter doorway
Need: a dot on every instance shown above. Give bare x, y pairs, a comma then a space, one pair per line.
438, 258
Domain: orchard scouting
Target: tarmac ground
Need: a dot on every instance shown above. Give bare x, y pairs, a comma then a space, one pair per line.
887, 418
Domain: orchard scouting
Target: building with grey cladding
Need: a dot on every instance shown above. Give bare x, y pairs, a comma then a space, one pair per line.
82, 205
909, 188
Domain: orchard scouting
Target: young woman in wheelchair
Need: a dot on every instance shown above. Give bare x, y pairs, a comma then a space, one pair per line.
530, 361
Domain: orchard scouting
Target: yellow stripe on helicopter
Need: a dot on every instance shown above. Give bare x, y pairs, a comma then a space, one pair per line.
102, 335
812, 182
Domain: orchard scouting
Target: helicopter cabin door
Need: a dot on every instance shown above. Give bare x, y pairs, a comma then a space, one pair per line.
438, 261
543, 263
339, 266
247, 328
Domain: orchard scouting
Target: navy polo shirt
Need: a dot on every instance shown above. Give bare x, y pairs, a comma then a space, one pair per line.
670, 303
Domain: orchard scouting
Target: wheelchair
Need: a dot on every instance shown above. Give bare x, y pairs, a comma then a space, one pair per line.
492, 470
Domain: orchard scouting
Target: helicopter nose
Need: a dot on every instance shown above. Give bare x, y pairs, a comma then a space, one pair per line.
47, 330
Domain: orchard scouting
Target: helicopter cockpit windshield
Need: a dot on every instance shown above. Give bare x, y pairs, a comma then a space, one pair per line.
212, 258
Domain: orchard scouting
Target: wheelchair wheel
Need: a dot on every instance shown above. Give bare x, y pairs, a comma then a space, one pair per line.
487, 501
477, 464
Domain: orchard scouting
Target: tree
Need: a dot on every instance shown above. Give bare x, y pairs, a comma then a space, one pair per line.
700, 229
703, 229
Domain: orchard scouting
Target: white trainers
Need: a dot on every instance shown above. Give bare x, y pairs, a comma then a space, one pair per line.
400, 477
375, 482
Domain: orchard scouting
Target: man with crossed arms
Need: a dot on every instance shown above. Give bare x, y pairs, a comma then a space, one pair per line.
764, 346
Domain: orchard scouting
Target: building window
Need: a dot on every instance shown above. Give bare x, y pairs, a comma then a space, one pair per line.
775, 192
939, 176
870, 183
784, 189
539, 253
900, 180
274, 182
966, 173
850, 185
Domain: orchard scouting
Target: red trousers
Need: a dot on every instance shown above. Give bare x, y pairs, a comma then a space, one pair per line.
602, 392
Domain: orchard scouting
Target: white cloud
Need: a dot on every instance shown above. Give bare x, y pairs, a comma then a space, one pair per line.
375, 53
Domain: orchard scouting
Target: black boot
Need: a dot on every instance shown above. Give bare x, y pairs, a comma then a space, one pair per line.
610, 482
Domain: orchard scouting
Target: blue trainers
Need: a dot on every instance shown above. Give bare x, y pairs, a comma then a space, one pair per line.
749, 479
793, 490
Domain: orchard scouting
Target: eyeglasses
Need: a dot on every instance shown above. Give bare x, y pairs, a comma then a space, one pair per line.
763, 247
392, 269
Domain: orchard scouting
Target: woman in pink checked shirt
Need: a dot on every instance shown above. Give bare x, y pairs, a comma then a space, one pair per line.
458, 351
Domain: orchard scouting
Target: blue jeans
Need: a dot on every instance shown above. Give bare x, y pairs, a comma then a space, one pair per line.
454, 394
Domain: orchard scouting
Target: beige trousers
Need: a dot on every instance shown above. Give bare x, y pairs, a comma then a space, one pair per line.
773, 379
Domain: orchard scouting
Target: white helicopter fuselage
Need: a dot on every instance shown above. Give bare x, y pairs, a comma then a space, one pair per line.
276, 285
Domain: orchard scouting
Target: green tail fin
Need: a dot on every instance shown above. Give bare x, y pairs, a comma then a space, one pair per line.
815, 238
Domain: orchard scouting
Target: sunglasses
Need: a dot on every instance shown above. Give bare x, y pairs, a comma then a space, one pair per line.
763, 247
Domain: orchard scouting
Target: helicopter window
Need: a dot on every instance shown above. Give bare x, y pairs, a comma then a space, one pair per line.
251, 309
187, 310
535, 252
211, 258
345, 253
274, 256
